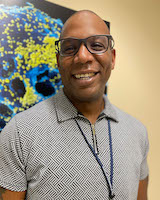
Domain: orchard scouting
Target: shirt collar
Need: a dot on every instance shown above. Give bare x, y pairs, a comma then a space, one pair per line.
109, 110
65, 109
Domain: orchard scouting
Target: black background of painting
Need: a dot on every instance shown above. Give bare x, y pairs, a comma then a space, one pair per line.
52, 9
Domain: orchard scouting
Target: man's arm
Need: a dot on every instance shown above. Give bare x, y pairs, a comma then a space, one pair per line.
142, 191
11, 195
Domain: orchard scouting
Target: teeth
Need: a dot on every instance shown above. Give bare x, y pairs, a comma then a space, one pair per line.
84, 75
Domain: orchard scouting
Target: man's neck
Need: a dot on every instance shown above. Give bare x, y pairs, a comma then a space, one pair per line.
91, 110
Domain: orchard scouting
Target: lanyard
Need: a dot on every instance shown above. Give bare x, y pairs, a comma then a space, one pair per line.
109, 183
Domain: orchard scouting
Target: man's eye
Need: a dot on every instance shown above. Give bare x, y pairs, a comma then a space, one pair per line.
68, 49
97, 46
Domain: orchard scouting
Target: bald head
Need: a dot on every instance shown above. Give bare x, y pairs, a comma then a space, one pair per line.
80, 19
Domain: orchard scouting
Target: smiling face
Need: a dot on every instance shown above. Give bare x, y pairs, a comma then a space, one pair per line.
84, 75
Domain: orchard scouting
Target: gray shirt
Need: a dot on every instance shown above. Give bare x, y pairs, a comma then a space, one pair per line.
43, 151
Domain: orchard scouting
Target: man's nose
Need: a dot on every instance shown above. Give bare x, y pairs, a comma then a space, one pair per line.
83, 55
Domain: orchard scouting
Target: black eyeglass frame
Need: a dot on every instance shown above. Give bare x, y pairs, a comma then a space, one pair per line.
84, 41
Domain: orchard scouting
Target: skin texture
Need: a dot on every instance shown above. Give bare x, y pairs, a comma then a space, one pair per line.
10, 195
2, 191
142, 191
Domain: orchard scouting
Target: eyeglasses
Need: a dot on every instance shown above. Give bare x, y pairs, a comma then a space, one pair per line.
96, 44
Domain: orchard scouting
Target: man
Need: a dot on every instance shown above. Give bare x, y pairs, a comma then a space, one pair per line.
76, 145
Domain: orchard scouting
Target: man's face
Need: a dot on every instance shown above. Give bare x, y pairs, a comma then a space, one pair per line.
84, 75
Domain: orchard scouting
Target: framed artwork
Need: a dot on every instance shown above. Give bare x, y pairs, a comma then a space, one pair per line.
28, 70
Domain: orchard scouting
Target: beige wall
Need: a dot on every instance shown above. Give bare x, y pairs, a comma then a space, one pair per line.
134, 85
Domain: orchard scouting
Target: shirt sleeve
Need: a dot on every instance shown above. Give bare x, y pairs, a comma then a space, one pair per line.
144, 165
12, 168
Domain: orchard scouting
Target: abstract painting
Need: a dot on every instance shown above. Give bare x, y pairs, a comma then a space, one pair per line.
28, 70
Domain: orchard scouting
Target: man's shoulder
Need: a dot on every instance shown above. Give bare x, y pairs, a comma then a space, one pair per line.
55, 108
34, 121
41, 113
38, 109
129, 120
121, 116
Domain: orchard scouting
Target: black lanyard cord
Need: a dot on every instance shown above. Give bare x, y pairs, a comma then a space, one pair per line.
109, 184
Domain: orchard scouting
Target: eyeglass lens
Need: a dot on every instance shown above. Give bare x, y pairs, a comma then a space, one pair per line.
95, 44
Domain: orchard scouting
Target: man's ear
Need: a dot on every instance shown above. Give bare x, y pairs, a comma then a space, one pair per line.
113, 58
57, 57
